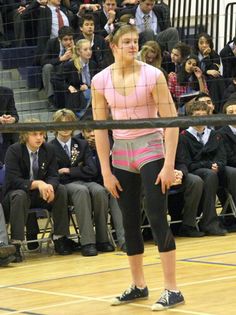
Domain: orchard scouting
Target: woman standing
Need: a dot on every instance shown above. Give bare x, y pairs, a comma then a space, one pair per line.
134, 90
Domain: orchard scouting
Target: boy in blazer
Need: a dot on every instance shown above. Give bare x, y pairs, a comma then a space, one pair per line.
78, 172
206, 157
31, 181
228, 134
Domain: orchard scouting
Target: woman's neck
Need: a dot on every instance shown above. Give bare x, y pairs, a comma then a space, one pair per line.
123, 67
84, 60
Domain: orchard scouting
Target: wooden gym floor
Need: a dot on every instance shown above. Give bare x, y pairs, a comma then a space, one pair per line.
77, 285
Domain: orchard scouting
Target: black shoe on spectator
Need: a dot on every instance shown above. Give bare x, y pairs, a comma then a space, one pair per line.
123, 248
51, 106
189, 231
89, 250
216, 231
74, 246
18, 256
105, 247
6, 261
6, 250
61, 246
32, 245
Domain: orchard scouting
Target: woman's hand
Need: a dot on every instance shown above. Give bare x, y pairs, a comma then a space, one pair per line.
198, 72
112, 185
206, 52
165, 178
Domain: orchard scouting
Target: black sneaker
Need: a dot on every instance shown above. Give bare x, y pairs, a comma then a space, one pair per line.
105, 247
130, 295
6, 250
168, 299
74, 246
18, 256
61, 246
6, 261
189, 231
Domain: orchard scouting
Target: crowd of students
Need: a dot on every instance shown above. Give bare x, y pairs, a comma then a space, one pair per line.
72, 39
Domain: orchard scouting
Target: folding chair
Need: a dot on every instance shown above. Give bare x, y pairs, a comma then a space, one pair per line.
45, 231
73, 222
228, 203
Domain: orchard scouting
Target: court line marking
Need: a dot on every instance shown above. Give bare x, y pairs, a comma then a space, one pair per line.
212, 255
13, 310
99, 300
210, 262
105, 299
109, 270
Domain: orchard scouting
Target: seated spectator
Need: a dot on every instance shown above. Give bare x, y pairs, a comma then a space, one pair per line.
153, 23
189, 187
106, 17
114, 208
151, 54
228, 58
205, 97
179, 53
58, 50
50, 17
78, 172
210, 65
228, 134
6, 251
75, 78
230, 90
31, 181
206, 157
25, 30
98, 44
8, 115
188, 80
81, 7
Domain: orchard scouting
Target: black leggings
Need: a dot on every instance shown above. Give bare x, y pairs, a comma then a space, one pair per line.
156, 201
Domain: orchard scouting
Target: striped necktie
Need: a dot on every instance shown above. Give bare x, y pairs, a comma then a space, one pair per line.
35, 164
200, 137
146, 20
67, 150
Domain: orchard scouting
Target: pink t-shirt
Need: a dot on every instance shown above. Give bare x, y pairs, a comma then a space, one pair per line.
137, 105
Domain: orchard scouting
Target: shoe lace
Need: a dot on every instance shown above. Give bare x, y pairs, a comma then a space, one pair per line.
164, 299
127, 291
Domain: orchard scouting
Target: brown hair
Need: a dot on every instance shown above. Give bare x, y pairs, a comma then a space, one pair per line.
121, 29
23, 136
196, 106
230, 102
64, 115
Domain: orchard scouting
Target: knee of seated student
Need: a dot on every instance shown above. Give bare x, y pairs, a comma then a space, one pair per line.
47, 68
18, 194
193, 182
